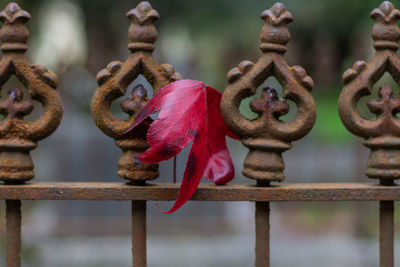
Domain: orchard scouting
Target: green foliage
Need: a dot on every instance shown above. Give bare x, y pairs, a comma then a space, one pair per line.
329, 127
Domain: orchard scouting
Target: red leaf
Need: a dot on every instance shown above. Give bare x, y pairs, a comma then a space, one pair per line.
189, 111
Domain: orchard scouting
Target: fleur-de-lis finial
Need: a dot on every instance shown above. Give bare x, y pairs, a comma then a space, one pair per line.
385, 32
267, 136
276, 15
382, 132
18, 136
143, 14
385, 13
14, 34
14, 14
275, 34
113, 82
142, 32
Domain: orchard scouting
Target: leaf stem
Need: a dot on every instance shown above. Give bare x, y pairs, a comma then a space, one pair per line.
175, 170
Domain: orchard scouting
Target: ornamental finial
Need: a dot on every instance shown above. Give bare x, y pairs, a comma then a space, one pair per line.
381, 132
268, 136
14, 14
113, 82
142, 32
385, 32
275, 33
143, 14
17, 135
14, 34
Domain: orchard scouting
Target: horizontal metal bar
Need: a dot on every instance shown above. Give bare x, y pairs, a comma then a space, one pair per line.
205, 192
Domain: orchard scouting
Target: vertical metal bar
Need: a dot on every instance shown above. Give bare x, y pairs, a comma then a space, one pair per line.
13, 225
386, 233
262, 234
139, 241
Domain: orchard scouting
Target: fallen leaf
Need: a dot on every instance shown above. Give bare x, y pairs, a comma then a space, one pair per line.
189, 112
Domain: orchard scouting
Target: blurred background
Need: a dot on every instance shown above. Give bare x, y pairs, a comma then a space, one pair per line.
203, 40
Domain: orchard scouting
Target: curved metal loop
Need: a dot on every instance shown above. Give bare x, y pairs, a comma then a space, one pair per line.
360, 79
245, 79
382, 132
113, 82
267, 136
114, 79
40, 82
17, 136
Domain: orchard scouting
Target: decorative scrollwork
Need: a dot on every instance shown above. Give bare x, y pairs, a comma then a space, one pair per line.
268, 136
17, 136
382, 133
113, 81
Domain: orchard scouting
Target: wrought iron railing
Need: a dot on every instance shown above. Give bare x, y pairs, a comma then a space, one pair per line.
267, 137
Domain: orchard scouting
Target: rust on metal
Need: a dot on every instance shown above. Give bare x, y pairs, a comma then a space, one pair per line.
205, 192
17, 136
267, 137
139, 237
262, 234
113, 82
386, 233
382, 132
13, 224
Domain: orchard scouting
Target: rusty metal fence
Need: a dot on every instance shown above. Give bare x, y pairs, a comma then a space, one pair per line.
267, 137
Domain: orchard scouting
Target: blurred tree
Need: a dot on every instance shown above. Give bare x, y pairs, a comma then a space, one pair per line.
204, 39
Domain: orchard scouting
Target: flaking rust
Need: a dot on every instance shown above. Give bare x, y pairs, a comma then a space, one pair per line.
268, 136
382, 132
113, 82
17, 136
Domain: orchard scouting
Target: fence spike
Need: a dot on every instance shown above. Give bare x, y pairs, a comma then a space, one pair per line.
113, 82
382, 132
268, 136
17, 136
